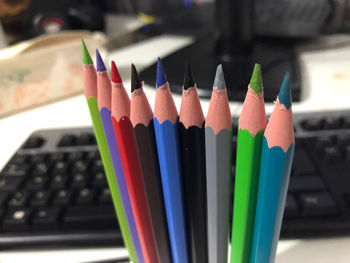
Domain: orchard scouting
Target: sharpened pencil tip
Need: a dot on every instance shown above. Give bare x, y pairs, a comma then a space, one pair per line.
161, 77
115, 73
189, 81
86, 55
219, 80
285, 96
256, 83
135, 79
99, 62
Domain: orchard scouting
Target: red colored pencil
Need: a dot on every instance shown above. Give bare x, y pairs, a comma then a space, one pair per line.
131, 165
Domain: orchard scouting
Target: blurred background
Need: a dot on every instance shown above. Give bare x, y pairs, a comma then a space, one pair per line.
234, 33
52, 181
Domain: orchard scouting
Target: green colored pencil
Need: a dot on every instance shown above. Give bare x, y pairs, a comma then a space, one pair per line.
90, 89
251, 126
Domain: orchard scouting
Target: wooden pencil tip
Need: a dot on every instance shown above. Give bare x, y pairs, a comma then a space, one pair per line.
219, 80
99, 62
135, 79
86, 55
256, 83
161, 77
285, 96
115, 73
189, 81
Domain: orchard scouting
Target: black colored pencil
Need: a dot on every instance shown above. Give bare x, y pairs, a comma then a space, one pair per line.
192, 147
142, 120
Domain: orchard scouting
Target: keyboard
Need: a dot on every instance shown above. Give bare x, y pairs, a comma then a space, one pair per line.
53, 191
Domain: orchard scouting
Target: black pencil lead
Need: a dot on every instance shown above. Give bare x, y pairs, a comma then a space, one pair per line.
135, 79
189, 81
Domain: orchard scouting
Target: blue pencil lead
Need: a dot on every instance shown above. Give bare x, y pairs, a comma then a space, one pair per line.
99, 62
284, 95
161, 77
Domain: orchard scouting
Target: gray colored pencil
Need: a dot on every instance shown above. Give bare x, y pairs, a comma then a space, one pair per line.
218, 143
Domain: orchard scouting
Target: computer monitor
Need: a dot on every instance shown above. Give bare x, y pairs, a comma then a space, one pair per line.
246, 32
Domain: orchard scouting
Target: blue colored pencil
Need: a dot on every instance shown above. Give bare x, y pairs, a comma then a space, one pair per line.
276, 161
104, 90
167, 138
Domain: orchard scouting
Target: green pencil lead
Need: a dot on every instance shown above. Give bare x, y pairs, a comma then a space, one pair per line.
256, 83
86, 56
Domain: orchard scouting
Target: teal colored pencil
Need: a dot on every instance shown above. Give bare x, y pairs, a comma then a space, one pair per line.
276, 161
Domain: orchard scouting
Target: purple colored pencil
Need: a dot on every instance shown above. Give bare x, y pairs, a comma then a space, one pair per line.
104, 87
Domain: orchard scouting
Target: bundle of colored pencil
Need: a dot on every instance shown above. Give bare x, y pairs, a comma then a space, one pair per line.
170, 174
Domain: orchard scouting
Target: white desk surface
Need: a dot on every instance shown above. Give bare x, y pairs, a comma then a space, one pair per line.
326, 86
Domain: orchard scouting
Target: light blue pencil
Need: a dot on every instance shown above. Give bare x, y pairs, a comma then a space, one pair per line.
276, 161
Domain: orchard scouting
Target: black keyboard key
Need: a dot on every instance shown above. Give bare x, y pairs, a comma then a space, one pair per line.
46, 218
37, 182
105, 196
291, 208
3, 199
331, 123
332, 154
97, 166
313, 124
317, 204
93, 155
84, 197
67, 140
86, 139
346, 122
79, 181
58, 181
89, 217
16, 220
343, 143
33, 142
39, 158
76, 156
62, 198
324, 141
40, 169
10, 184
57, 157
306, 183
14, 169
79, 166
19, 159
100, 180
40, 198
60, 167
302, 163
18, 199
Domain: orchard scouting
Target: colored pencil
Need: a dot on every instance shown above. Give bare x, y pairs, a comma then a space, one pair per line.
251, 126
218, 151
192, 147
127, 149
166, 129
276, 161
104, 91
90, 89
141, 117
